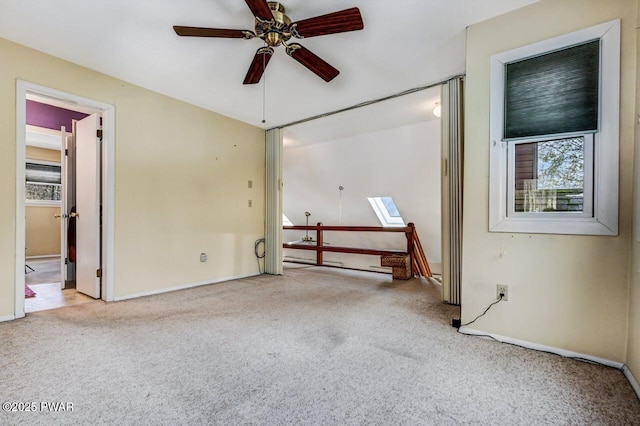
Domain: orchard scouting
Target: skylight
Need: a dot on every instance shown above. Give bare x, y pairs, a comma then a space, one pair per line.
386, 210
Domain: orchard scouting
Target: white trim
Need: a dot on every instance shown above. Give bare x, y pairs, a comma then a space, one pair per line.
383, 214
42, 203
606, 147
587, 150
182, 287
26, 89
544, 348
64, 104
43, 256
20, 219
286, 221
632, 380
108, 201
7, 318
41, 137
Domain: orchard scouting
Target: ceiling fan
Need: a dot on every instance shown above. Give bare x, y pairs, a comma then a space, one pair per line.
275, 28
306, 239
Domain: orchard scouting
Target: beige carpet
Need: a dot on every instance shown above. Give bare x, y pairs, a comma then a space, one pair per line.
318, 346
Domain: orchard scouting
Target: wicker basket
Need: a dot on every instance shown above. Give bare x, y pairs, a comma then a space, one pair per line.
394, 260
400, 265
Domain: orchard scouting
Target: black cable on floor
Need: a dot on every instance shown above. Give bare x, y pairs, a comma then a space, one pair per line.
258, 255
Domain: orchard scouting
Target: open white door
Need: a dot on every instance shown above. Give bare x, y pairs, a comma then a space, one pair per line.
67, 155
87, 217
63, 208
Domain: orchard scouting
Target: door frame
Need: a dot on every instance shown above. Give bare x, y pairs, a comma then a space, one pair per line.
108, 184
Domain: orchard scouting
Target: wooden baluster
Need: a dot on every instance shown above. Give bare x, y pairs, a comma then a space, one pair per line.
423, 257
409, 235
320, 243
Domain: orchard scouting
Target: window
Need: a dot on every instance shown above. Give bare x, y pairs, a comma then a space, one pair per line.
553, 93
43, 184
386, 210
551, 176
554, 135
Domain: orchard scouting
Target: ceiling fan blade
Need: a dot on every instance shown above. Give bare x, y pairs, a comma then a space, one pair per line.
336, 22
210, 32
312, 61
258, 65
260, 9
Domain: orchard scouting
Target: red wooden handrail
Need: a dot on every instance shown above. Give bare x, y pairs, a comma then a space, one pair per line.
320, 248
321, 227
335, 249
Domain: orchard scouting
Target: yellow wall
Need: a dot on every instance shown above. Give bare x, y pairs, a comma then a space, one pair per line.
43, 230
181, 177
43, 154
565, 291
633, 345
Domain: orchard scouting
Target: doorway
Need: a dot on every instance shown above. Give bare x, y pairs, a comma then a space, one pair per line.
50, 196
95, 260
449, 110
377, 165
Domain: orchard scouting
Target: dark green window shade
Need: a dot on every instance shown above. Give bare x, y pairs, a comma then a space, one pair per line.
553, 93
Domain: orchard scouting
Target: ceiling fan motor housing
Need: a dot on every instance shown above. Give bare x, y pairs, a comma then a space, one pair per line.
275, 31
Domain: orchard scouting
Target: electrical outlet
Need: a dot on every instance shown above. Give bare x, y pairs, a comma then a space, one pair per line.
503, 290
203, 257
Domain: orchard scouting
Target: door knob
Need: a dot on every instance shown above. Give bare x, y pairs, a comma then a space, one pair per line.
74, 214
63, 216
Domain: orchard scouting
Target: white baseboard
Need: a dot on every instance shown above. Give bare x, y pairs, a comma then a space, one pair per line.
7, 318
632, 380
44, 256
544, 348
181, 287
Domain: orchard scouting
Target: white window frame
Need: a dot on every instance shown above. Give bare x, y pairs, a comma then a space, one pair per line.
587, 210
604, 220
43, 203
383, 214
286, 221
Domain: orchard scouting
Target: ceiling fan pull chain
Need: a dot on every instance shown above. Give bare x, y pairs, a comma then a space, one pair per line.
264, 90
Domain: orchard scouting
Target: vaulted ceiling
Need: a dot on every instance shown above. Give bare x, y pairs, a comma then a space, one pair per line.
404, 44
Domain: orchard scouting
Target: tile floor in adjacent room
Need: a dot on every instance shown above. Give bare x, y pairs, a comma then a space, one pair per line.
50, 296
44, 280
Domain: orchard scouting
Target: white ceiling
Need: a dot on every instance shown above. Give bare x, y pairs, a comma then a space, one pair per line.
404, 44
401, 111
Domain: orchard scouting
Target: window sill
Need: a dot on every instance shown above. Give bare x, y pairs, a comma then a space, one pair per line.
573, 226
42, 203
